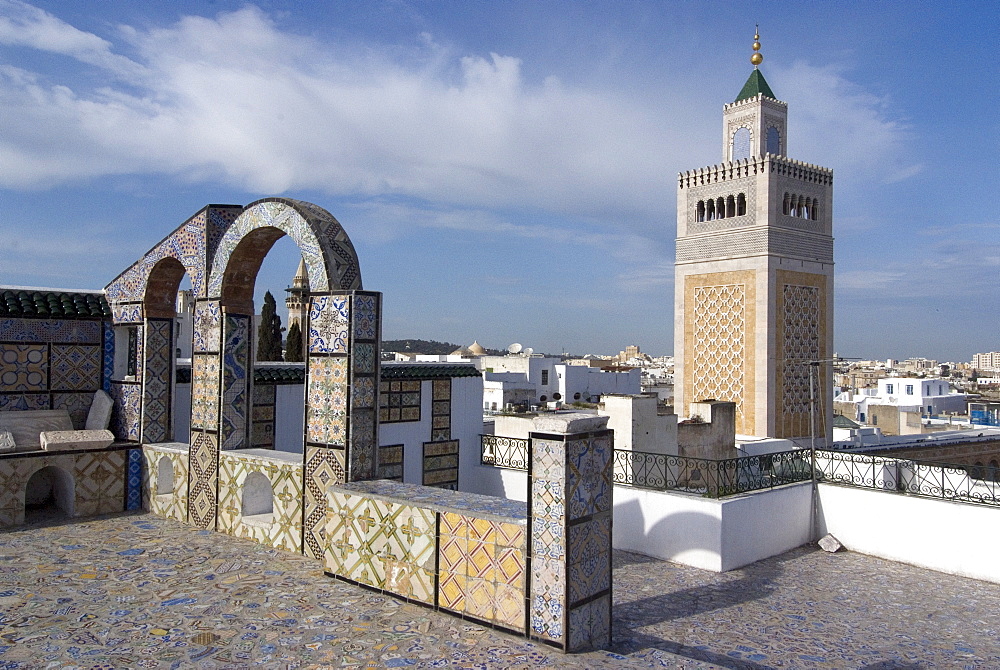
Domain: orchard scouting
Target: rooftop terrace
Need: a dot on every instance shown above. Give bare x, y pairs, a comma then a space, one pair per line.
135, 590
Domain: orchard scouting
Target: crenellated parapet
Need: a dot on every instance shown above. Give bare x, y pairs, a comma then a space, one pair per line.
749, 167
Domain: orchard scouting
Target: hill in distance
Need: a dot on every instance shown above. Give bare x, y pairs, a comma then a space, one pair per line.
432, 347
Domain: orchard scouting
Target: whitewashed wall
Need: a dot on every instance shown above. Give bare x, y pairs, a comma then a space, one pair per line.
289, 417
712, 534
951, 537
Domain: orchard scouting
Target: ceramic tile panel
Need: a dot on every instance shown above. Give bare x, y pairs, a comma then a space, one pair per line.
590, 625
440, 464
65, 331
236, 370
126, 411
205, 380
133, 480
329, 317
382, 544
165, 474
207, 326
390, 462
399, 401
264, 394
323, 467
157, 368
441, 389
326, 420
457, 501
203, 474
589, 477
364, 357
108, 349
22, 401
25, 367
363, 392
75, 367
123, 313
282, 528
365, 317
77, 404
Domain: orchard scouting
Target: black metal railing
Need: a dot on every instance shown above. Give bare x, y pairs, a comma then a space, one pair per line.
504, 452
714, 478
960, 483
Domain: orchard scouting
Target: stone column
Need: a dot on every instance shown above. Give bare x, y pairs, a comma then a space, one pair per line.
570, 510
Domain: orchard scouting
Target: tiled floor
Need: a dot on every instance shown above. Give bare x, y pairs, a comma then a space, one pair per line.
138, 591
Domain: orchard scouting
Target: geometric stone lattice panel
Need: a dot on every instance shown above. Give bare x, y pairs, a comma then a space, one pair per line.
719, 318
800, 326
282, 528
202, 487
382, 544
481, 569
323, 466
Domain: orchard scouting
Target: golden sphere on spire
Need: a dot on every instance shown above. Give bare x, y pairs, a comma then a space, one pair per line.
756, 58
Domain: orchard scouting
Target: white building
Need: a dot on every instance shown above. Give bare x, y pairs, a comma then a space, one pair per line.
507, 380
909, 394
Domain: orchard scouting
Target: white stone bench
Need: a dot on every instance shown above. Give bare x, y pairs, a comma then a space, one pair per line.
52, 429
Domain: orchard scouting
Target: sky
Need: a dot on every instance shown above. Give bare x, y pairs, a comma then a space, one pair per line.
507, 171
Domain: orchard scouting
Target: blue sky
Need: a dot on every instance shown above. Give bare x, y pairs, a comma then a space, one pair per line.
507, 171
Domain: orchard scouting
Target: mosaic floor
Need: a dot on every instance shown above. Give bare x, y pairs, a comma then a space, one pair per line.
137, 591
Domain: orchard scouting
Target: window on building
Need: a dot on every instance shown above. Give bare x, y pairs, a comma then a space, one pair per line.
929, 408
545, 377
399, 401
741, 144
773, 141
909, 389
888, 388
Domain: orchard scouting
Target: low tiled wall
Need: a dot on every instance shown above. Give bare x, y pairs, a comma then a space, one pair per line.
280, 528
98, 480
163, 498
460, 552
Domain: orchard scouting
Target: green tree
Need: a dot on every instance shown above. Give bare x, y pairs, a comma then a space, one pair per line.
269, 331
293, 344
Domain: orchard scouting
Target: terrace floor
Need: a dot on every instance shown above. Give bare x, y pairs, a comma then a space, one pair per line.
137, 591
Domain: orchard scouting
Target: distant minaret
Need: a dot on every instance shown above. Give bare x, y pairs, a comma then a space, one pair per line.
297, 301
754, 273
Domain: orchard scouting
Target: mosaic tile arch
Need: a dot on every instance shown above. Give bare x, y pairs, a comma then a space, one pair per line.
326, 249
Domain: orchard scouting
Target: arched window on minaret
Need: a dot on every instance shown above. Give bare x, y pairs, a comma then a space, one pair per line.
773, 141
741, 144
701, 210
730, 206
710, 212
815, 210
741, 204
786, 205
802, 213
720, 208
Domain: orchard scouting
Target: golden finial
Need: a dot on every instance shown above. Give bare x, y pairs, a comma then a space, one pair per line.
756, 58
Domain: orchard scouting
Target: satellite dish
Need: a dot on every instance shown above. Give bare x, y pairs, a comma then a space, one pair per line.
529, 351
514, 348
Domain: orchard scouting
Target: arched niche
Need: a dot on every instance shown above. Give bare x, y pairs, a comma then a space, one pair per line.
50, 491
160, 298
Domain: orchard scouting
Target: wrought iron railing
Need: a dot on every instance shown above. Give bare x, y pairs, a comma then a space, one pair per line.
504, 452
714, 478
961, 483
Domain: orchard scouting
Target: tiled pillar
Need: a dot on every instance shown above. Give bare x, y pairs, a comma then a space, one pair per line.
157, 370
203, 465
237, 378
341, 426
569, 519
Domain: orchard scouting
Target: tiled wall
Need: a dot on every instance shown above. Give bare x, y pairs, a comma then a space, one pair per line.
263, 416
172, 502
440, 465
283, 530
98, 478
51, 364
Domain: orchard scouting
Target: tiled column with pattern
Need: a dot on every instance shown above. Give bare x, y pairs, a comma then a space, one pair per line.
237, 377
156, 378
126, 420
341, 426
206, 380
569, 520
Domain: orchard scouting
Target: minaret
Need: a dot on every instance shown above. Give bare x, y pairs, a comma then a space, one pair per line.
297, 301
754, 273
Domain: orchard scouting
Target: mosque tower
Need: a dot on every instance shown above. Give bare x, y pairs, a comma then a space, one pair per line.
297, 301
754, 274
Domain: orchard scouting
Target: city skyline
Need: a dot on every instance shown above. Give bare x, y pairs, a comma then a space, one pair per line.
506, 172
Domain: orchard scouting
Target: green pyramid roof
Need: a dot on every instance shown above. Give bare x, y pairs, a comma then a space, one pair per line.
755, 84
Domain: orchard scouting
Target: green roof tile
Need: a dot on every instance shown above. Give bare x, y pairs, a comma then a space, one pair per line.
32, 304
756, 84
429, 371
